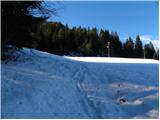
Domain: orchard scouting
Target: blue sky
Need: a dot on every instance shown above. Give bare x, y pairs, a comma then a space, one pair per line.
126, 18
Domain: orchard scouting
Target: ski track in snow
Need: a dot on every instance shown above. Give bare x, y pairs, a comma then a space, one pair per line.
41, 85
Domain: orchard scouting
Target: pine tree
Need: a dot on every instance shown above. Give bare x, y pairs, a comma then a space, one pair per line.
61, 39
104, 38
17, 22
149, 51
93, 37
129, 48
86, 48
157, 54
116, 45
138, 48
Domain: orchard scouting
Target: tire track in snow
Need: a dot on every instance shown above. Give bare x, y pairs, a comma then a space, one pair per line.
89, 102
79, 76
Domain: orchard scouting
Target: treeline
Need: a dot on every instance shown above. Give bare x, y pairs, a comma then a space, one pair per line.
21, 28
56, 38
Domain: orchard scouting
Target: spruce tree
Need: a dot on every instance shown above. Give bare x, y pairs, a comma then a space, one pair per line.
129, 48
149, 51
104, 38
18, 22
138, 47
116, 45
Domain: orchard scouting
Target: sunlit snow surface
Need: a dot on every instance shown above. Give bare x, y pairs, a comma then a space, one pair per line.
42, 85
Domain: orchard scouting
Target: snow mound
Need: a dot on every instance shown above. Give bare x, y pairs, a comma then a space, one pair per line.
42, 85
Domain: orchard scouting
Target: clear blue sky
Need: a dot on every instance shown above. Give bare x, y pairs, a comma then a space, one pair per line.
126, 18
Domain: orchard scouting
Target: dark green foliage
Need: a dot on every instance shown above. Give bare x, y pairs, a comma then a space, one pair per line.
93, 42
59, 39
21, 28
86, 48
149, 51
116, 45
104, 38
156, 55
17, 22
128, 48
138, 48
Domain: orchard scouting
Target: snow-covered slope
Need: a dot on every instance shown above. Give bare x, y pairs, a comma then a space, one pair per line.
41, 85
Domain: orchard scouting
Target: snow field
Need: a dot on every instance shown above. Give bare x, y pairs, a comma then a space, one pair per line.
42, 85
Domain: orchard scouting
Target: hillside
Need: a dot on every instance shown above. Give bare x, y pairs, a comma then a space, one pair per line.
42, 85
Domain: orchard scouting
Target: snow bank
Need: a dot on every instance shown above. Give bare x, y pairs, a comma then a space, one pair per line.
113, 60
42, 85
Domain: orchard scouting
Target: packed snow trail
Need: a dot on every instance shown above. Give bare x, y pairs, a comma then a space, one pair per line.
42, 85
